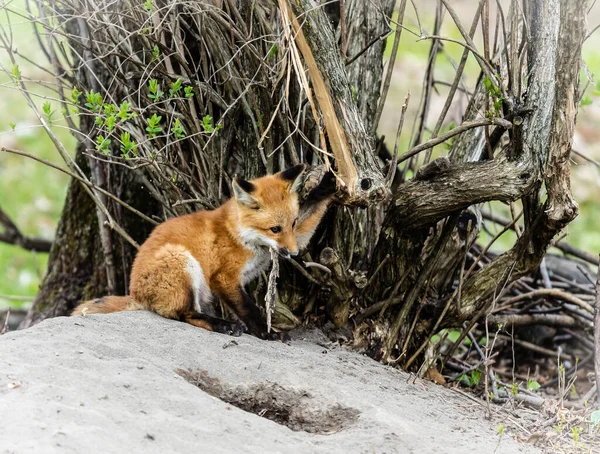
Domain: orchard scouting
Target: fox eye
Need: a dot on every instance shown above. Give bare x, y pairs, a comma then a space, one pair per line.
294, 223
276, 229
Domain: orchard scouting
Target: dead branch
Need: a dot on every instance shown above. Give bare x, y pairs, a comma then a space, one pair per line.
422, 202
352, 145
12, 235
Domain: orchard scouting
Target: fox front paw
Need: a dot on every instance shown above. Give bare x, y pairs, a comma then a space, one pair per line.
273, 336
235, 329
325, 189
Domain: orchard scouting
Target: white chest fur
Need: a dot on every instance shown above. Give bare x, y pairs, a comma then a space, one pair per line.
257, 264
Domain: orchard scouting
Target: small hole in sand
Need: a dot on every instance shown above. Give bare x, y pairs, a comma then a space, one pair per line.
292, 408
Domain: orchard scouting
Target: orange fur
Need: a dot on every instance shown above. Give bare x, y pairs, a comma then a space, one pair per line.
188, 259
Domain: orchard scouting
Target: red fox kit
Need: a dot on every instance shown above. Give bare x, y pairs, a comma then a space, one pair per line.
189, 259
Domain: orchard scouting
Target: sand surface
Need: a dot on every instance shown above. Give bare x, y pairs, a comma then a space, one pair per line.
115, 384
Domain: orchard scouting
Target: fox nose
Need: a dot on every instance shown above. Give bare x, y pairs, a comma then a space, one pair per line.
285, 252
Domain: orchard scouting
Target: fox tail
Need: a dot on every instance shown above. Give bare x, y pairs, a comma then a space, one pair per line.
108, 304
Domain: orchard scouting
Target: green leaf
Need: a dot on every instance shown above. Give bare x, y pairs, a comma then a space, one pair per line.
16, 72
75, 96
155, 52
487, 82
453, 335
272, 52
148, 6
464, 377
533, 385
94, 101
586, 101
12, 125
110, 123
207, 124
110, 109
48, 112
189, 92
175, 88
124, 111
475, 377
153, 125
178, 130
595, 417
155, 93
102, 144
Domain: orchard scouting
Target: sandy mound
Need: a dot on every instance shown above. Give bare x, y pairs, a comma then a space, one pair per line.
134, 382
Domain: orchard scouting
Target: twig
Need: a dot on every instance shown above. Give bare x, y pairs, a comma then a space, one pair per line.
305, 273
457, 77
394, 165
597, 337
317, 266
556, 293
272, 287
12, 235
427, 87
4, 329
367, 47
453, 132
390, 68
534, 319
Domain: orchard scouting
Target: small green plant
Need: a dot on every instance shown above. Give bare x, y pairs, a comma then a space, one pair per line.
155, 52
273, 52
75, 98
102, 144
501, 429
110, 122
12, 125
177, 129
128, 146
514, 389
575, 435
148, 6
155, 93
16, 73
189, 92
94, 101
125, 112
175, 88
48, 112
471, 379
532, 385
153, 125
207, 124
496, 95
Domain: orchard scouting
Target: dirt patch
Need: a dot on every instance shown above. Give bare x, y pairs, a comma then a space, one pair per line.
296, 409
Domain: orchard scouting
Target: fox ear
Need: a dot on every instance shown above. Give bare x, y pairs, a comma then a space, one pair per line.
293, 175
242, 190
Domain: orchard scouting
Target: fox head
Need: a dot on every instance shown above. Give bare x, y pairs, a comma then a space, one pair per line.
268, 210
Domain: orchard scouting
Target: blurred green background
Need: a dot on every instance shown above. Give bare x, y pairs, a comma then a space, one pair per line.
33, 195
